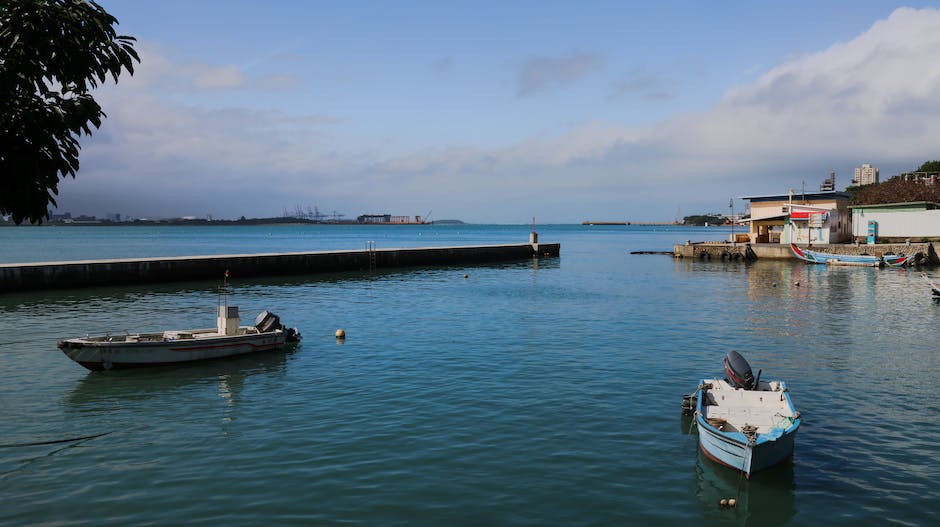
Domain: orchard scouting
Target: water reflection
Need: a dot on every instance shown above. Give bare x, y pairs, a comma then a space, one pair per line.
767, 499
118, 295
228, 374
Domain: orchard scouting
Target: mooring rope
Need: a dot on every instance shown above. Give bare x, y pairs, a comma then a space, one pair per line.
55, 441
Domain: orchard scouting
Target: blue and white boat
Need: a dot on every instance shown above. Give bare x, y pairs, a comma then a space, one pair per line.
866, 260
743, 423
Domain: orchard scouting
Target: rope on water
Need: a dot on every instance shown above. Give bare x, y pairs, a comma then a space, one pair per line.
55, 441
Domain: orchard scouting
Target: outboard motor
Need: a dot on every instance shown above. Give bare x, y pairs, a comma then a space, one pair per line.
267, 321
738, 371
293, 335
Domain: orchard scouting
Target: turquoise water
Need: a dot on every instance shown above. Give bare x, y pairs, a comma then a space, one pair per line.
542, 392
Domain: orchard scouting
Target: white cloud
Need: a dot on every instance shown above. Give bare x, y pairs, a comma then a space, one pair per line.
867, 99
161, 70
222, 77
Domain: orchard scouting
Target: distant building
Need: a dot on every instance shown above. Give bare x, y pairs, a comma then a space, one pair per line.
866, 175
374, 218
805, 218
387, 218
927, 178
829, 184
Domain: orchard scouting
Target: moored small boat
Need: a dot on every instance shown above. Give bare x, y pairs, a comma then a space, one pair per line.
135, 350
866, 260
745, 423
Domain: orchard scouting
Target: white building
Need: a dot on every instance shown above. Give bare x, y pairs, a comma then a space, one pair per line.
805, 218
897, 221
866, 175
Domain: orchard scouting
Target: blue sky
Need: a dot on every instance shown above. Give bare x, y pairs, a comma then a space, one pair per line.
495, 112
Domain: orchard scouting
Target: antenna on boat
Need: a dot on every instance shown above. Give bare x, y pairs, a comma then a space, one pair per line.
225, 287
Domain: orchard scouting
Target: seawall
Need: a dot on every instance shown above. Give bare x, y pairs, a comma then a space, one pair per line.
93, 273
776, 251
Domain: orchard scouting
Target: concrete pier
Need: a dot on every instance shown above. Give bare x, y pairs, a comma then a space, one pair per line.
93, 273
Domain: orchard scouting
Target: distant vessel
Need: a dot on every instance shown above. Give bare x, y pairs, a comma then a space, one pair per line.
135, 350
603, 223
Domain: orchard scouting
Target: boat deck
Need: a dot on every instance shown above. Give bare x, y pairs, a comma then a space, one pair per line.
167, 336
730, 410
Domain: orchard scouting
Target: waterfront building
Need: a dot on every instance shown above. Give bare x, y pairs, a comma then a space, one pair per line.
897, 222
804, 218
866, 175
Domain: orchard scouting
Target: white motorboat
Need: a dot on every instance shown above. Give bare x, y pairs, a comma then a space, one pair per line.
228, 338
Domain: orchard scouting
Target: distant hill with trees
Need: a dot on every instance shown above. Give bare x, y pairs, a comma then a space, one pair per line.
702, 219
903, 188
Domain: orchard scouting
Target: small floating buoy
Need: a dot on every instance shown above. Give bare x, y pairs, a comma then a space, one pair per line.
340, 334
723, 502
466, 276
732, 502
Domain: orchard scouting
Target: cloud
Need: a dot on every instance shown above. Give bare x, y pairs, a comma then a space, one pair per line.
645, 84
541, 74
869, 99
276, 82
442, 65
222, 77
162, 69
842, 100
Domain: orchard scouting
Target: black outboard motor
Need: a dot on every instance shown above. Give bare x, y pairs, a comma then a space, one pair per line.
738, 371
267, 321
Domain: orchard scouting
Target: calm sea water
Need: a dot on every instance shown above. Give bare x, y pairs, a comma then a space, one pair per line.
541, 392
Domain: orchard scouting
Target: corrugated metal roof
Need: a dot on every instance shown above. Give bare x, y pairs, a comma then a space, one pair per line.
801, 196
780, 217
928, 205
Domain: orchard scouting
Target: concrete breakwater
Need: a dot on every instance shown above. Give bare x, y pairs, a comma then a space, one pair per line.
93, 273
776, 251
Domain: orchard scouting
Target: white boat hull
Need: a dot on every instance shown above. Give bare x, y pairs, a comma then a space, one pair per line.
130, 351
769, 410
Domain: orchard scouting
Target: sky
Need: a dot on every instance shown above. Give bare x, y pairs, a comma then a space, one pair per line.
501, 112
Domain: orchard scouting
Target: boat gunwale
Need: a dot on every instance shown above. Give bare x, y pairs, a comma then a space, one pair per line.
737, 437
86, 342
821, 257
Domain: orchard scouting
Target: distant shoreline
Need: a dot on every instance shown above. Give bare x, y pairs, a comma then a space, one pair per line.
211, 223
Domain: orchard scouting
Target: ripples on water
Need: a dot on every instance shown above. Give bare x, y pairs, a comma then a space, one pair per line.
532, 393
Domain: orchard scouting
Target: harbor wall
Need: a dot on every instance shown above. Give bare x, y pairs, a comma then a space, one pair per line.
94, 273
777, 251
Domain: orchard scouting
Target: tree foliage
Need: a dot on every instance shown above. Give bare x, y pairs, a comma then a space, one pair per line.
702, 219
895, 191
929, 166
52, 54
